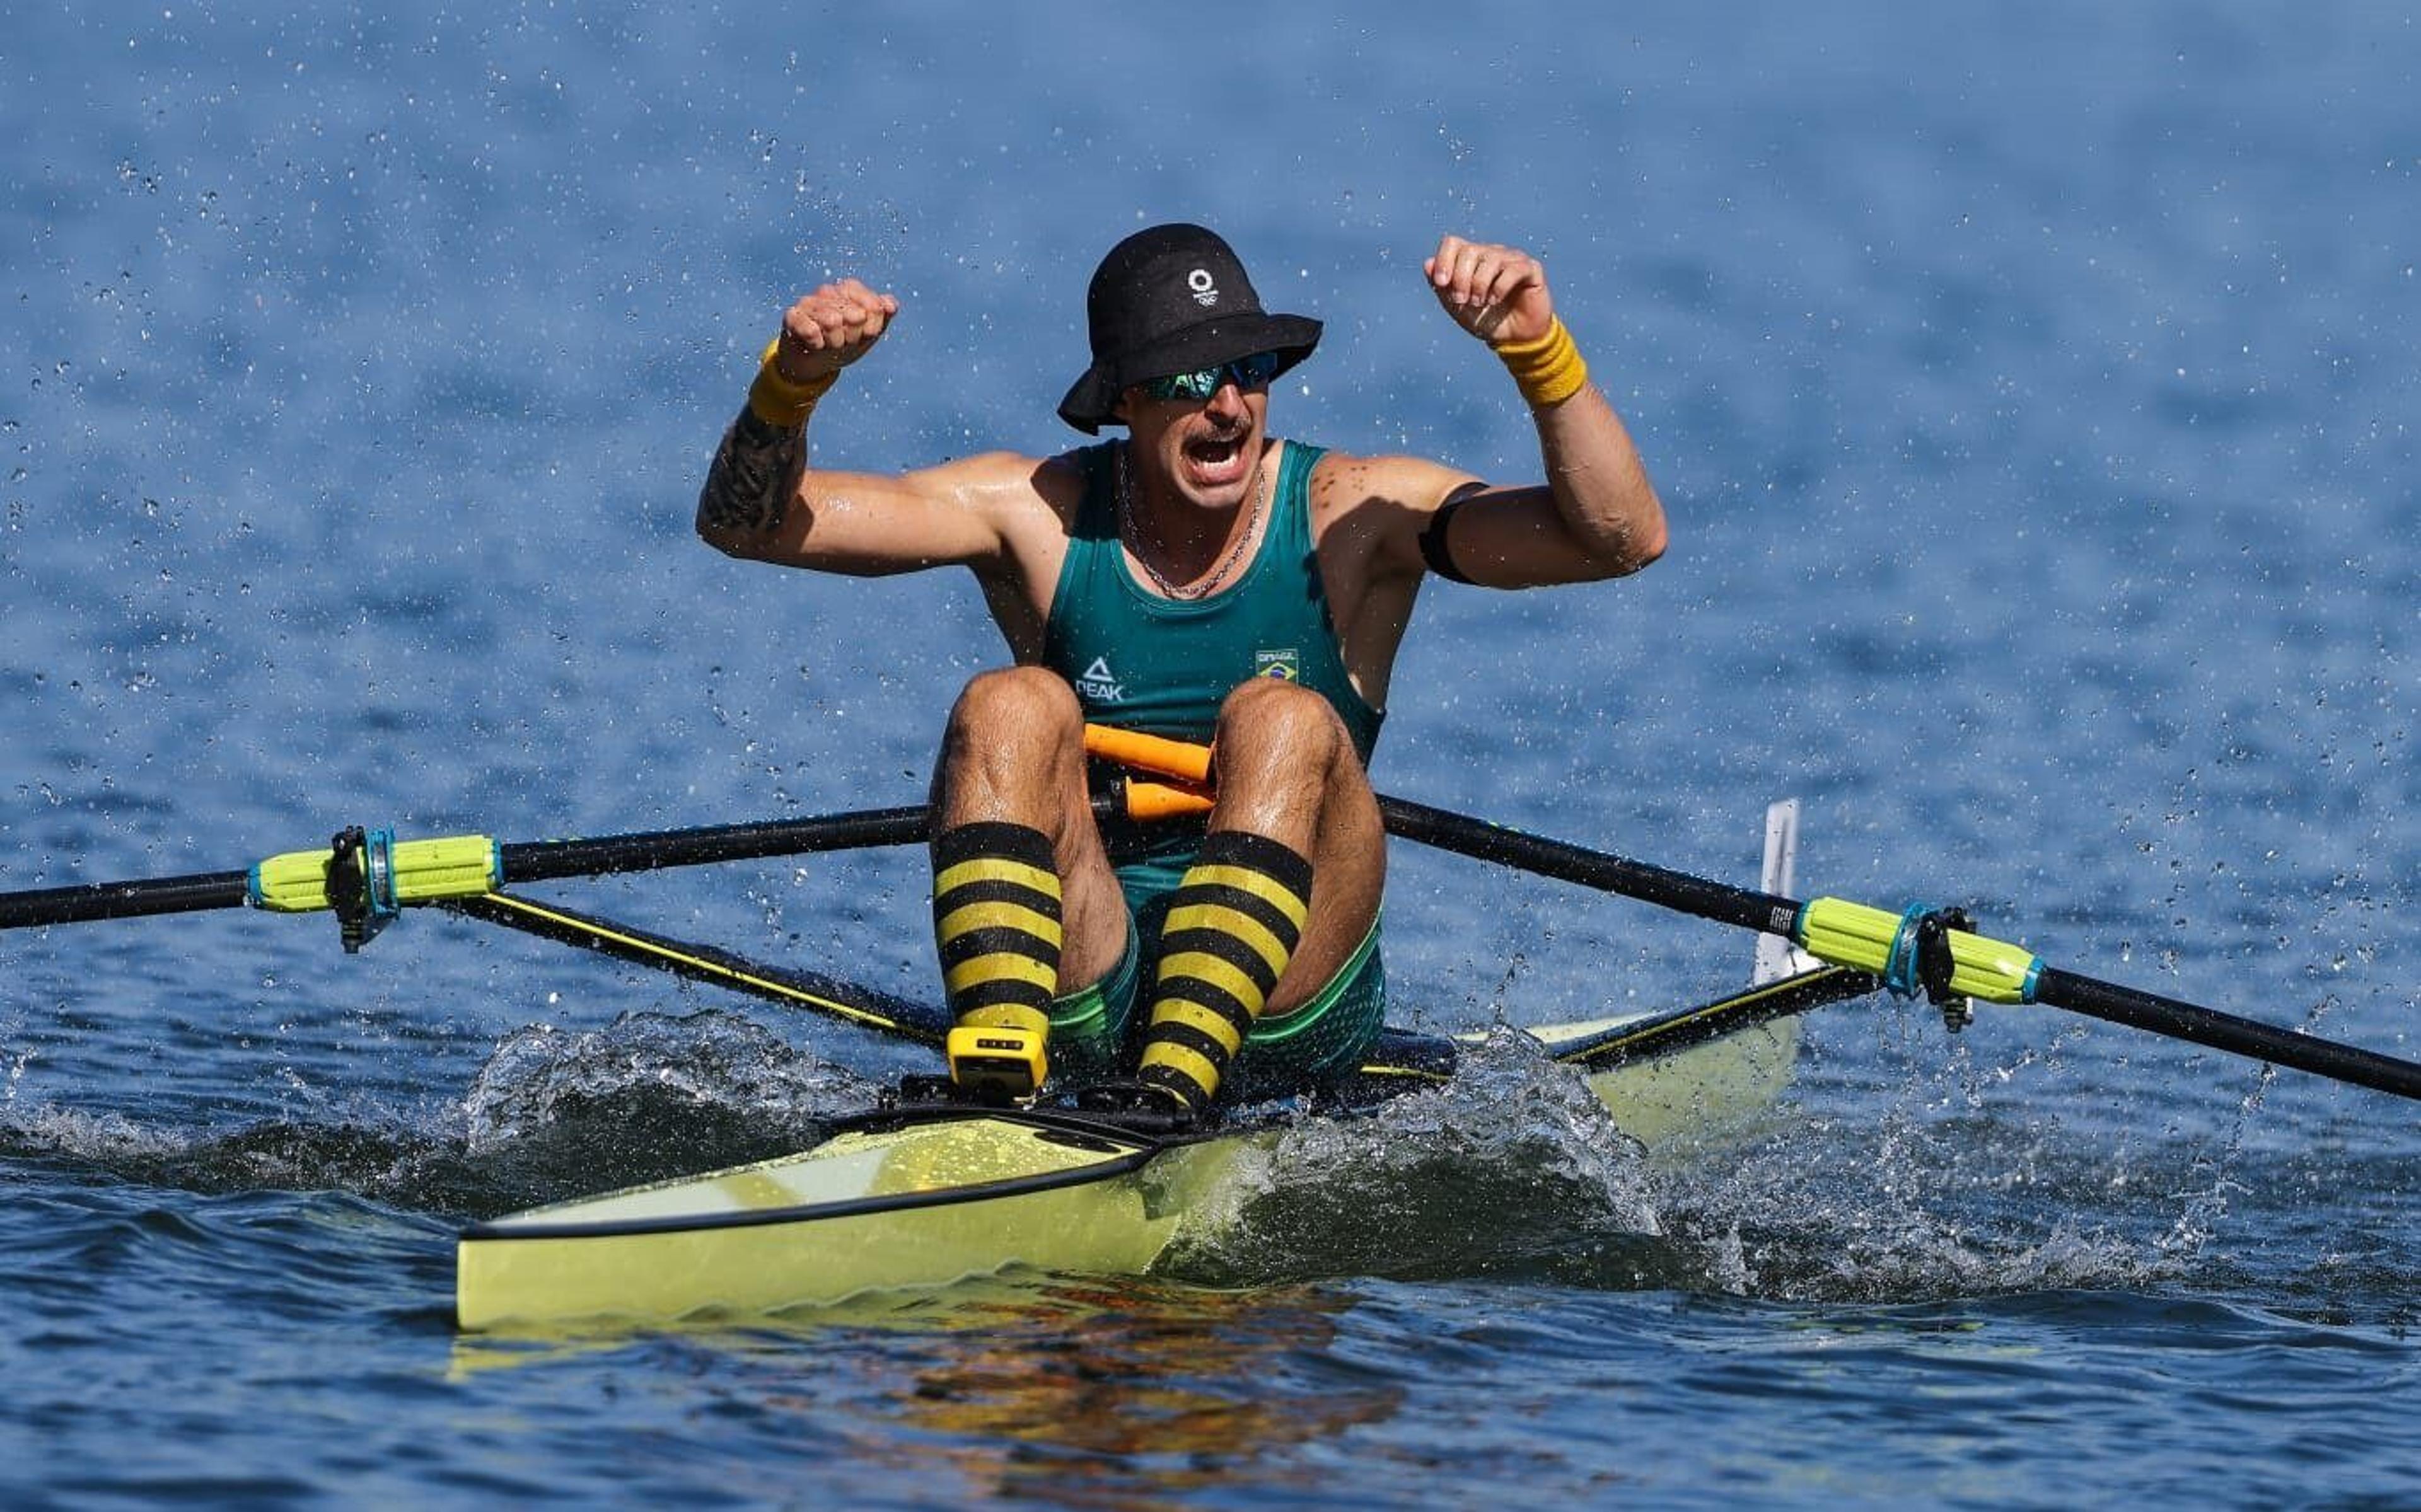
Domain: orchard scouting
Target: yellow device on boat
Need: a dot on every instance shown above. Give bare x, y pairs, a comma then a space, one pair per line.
992, 1061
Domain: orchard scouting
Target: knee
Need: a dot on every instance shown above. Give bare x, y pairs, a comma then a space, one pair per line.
1267, 713
1015, 702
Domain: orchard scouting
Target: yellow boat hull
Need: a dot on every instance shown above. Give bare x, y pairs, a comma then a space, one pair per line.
930, 1201
1112, 1216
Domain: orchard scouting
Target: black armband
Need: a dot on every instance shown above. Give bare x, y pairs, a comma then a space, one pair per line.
1433, 549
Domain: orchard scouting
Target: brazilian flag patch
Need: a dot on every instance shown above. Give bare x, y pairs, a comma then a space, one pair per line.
1286, 665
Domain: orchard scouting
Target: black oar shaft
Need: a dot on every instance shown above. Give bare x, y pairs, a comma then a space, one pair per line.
89, 901
2224, 1031
538, 860
1677, 891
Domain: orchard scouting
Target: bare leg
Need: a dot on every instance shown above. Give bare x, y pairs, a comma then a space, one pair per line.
1287, 770
1284, 890
1013, 753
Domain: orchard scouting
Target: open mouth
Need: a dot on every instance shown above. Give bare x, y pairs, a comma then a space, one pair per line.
1216, 461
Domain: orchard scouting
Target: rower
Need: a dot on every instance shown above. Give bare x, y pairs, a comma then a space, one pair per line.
1201, 578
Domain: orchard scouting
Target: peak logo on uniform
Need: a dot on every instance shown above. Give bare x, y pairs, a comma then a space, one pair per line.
1285, 665
1100, 685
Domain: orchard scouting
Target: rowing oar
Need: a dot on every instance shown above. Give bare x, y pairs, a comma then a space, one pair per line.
365, 878
1934, 951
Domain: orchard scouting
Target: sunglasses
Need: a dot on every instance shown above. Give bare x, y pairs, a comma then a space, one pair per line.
1247, 373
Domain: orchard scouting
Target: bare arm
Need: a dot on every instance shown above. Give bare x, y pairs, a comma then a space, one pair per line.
1596, 515
763, 501
867, 524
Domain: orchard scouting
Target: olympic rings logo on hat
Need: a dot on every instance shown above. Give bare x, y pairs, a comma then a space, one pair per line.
1206, 289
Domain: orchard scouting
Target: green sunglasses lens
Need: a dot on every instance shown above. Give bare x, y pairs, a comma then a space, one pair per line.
1193, 387
1247, 373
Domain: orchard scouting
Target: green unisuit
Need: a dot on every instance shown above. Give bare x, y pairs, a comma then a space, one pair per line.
1162, 666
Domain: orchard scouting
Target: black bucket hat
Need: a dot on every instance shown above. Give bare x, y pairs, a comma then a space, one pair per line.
1172, 300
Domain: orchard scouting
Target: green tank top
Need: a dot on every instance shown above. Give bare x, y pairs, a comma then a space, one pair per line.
1140, 661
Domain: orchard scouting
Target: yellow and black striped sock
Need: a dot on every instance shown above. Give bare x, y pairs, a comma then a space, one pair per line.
1233, 924
996, 920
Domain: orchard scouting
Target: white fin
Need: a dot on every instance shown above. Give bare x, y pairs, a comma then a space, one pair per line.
1777, 958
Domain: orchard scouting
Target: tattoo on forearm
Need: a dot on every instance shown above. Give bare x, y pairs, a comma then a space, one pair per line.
748, 487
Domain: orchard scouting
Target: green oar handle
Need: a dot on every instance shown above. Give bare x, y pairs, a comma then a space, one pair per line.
1874, 940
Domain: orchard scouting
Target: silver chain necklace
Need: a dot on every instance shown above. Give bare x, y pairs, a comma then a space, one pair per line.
1201, 587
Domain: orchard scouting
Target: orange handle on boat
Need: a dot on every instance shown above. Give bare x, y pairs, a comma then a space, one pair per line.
1159, 801
1149, 753
1180, 761
1188, 766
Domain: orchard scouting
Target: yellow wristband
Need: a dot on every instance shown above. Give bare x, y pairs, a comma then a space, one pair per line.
776, 399
1548, 370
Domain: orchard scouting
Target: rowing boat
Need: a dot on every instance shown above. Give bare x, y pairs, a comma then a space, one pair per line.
923, 1196
916, 1196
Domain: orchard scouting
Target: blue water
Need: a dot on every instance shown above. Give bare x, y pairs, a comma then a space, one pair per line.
2032, 390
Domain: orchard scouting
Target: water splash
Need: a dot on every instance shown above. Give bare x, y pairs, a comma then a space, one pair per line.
1920, 1204
108, 1140
1515, 1171
1511, 1169
550, 1114
542, 1078
554, 1115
